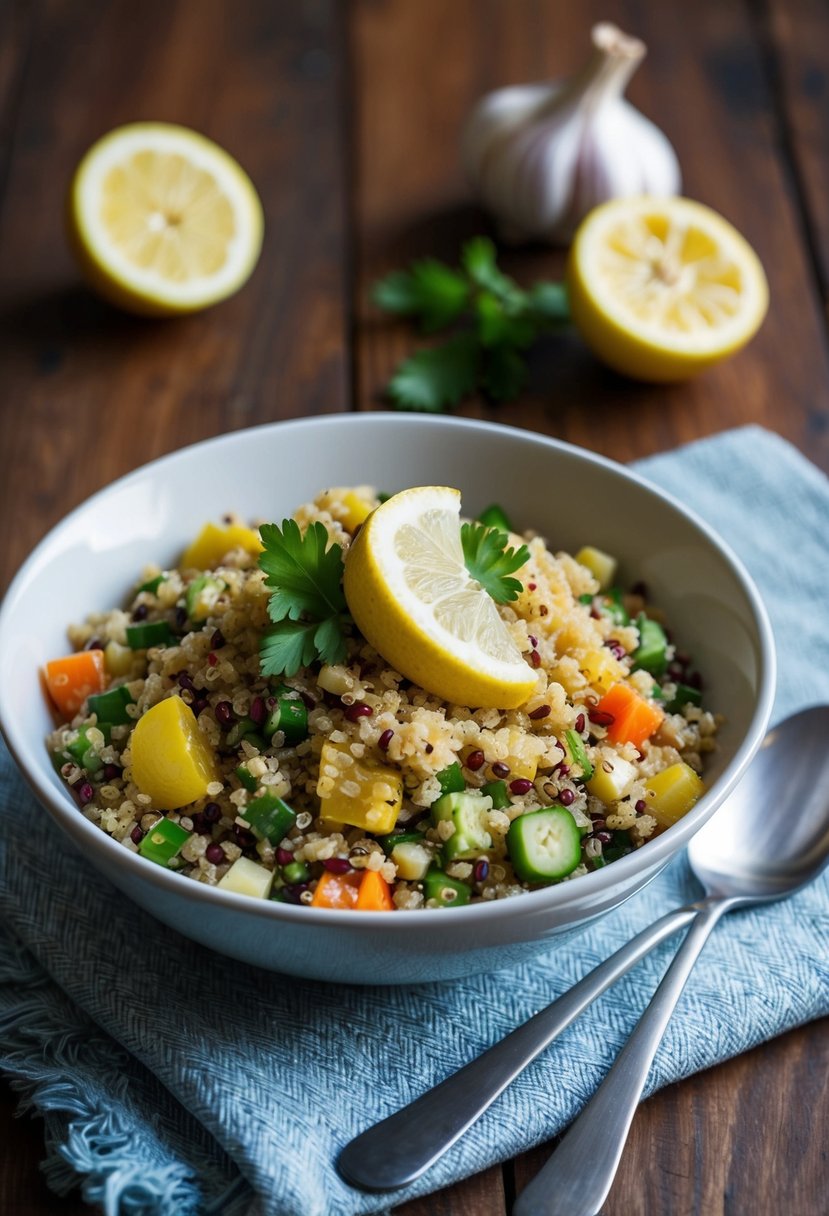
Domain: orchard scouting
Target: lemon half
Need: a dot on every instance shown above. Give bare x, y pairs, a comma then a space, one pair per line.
162, 220
411, 596
662, 288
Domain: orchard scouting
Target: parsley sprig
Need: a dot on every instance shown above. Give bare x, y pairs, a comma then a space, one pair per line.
496, 322
307, 604
491, 561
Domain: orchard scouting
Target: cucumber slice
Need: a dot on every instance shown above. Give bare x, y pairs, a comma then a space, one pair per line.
449, 892
468, 812
544, 845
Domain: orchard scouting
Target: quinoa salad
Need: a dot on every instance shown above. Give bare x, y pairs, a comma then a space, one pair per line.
223, 725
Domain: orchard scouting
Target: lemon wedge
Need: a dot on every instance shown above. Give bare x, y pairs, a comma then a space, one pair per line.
162, 220
662, 288
411, 596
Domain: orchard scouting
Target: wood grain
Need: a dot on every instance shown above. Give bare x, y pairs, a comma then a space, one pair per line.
89, 393
710, 91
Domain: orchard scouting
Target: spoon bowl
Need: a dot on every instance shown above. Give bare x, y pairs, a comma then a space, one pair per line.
745, 851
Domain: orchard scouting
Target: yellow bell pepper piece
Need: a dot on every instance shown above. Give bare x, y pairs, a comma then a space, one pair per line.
601, 670
357, 508
672, 793
213, 542
171, 759
364, 795
601, 565
611, 783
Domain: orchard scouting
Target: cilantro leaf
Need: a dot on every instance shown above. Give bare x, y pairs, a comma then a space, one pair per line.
478, 258
307, 604
549, 304
306, 575
490, 561
436, 377
429, 290
504, 373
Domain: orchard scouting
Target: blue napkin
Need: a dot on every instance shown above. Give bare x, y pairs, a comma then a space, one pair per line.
172, 1080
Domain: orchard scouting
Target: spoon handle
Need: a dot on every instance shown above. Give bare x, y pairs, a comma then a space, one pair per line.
400, 1148
578, 1176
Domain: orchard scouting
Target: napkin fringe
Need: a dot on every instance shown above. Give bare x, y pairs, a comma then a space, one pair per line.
85, 1139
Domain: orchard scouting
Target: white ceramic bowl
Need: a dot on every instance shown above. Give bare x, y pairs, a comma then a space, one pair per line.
90, 561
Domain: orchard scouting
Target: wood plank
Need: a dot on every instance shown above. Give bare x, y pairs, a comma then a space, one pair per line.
419, 68
482, 1195
23, 1189
797, 48
738, 1138
89, 392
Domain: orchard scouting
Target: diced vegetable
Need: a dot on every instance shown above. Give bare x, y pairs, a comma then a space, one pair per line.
295, 872
163, 841
366, 892
449, 892
246, 877
634, 718
201, 595
611, 604
495, 517
467, 812
578, 753
498, 792
601, 669
651, 653
412, 859
451, 780
288, 715
239, 731
672, 793
149, 633
111, 706
357, 510
684, 695
171, 759
247, 778
214, 543
71, 679
365, 795
152, 584
269, 817
601, 565
119, 659
612, 779
82, 751
544, 845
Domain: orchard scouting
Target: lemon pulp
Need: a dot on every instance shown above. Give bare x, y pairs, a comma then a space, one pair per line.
411, 596
661, 288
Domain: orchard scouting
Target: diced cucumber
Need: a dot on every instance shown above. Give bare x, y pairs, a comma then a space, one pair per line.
149, 633
651, 653
684, 695
449, 892
578, 753
498, 792
163, 841
451, 780
412, 859
152, 584
83, 752
395, 838
288, 715
247, 778
201, 595
110, 707
544, 845
467, 812
269, 817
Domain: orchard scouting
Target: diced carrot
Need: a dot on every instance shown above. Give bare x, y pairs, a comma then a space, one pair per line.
367, 892
337, 890
375, 895
73, 678
634, 718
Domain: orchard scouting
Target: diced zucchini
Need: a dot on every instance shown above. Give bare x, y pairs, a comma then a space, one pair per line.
651, 653
601, 565
201, 596
163, 841
544, 845
247, 779
247, 877
498, 792
149, 633
611, 785
451, 780
467, 812
269, 817
111, 706
672, 793
684, 695
448, 892
412, 860
152, 584
288, 715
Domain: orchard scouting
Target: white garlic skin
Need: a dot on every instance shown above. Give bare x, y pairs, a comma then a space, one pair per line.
541, 156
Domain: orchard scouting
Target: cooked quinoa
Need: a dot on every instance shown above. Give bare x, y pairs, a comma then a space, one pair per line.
579, 640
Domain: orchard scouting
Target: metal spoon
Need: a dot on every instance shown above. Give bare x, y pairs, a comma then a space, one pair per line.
770, 837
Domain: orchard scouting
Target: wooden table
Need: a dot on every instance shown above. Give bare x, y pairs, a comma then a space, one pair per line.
347, 117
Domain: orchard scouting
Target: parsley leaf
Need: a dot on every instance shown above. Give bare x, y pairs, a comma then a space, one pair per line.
307, 604
436, 377
490, 561
496, 322
429, 291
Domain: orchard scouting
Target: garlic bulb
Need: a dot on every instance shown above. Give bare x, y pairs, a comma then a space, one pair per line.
541, 156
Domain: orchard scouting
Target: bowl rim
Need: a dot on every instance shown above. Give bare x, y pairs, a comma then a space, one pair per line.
546, 899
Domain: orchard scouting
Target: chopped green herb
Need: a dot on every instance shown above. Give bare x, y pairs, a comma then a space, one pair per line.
307, 604
490, 561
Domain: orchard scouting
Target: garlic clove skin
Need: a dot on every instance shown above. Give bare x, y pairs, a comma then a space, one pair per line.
541, 156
